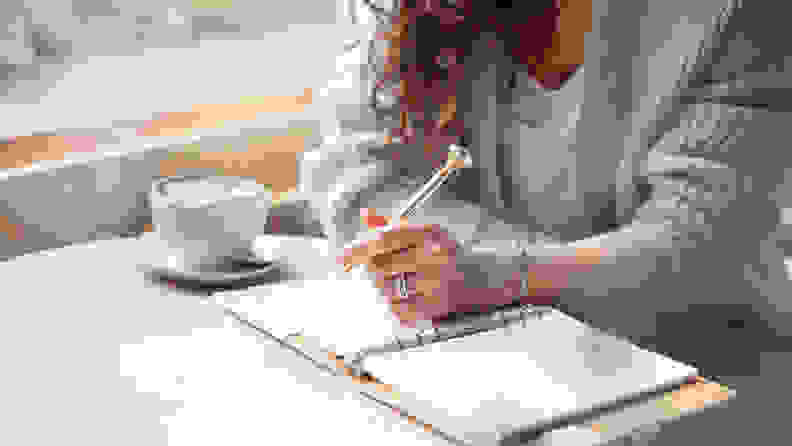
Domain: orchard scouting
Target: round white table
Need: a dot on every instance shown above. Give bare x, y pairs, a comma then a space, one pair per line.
95, 355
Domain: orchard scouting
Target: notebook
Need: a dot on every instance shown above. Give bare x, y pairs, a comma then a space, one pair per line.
480, 379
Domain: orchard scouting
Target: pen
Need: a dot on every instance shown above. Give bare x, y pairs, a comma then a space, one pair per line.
459, 158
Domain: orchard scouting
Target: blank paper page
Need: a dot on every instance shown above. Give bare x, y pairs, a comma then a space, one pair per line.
520, 377
343, 311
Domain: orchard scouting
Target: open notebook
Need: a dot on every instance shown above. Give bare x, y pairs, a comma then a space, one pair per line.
480, 379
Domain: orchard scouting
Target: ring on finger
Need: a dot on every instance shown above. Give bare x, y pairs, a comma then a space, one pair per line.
402, 285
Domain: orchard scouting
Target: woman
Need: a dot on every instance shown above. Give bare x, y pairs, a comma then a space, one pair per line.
634, 192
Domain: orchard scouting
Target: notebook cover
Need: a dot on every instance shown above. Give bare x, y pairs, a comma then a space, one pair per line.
643, 415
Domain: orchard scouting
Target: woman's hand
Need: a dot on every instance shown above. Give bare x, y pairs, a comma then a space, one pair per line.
427, 254
442, 277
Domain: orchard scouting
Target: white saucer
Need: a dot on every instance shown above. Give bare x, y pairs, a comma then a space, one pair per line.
232, 273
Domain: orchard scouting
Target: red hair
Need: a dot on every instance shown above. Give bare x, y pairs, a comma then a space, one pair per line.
430, 40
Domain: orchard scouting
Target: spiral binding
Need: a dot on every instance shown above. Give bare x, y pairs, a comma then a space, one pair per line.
456, 329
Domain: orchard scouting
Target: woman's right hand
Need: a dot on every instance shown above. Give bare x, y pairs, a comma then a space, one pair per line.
423, 255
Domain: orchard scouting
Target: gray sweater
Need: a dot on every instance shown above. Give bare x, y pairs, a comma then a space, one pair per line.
662, 152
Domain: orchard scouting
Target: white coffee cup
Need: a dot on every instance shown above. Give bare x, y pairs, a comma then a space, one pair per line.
204, 221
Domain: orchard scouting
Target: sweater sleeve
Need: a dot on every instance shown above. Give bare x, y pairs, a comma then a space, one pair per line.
698, 269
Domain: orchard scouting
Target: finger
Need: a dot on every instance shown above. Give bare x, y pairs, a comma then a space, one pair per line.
408, 254
372, 220
361, 251
394, 283
379, 255
408, 260
431, 285
393, 265
388, 284
385, 284
419, 307
428, 253
437, 248
397, 299
406, 311
435, 252
390, 275
411, 260
392, 240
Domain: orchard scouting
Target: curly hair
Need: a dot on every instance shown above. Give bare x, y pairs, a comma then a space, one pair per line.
426, 43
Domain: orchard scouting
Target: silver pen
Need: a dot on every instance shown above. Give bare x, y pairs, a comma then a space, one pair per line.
459, 158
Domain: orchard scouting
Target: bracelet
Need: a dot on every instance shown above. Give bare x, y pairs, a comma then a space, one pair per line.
523, 248
519, 252
523, 279
479, 247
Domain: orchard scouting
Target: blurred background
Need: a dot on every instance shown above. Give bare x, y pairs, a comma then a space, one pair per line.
128, 54
100, 97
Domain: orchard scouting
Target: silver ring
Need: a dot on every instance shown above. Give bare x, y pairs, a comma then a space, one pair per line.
402, 280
